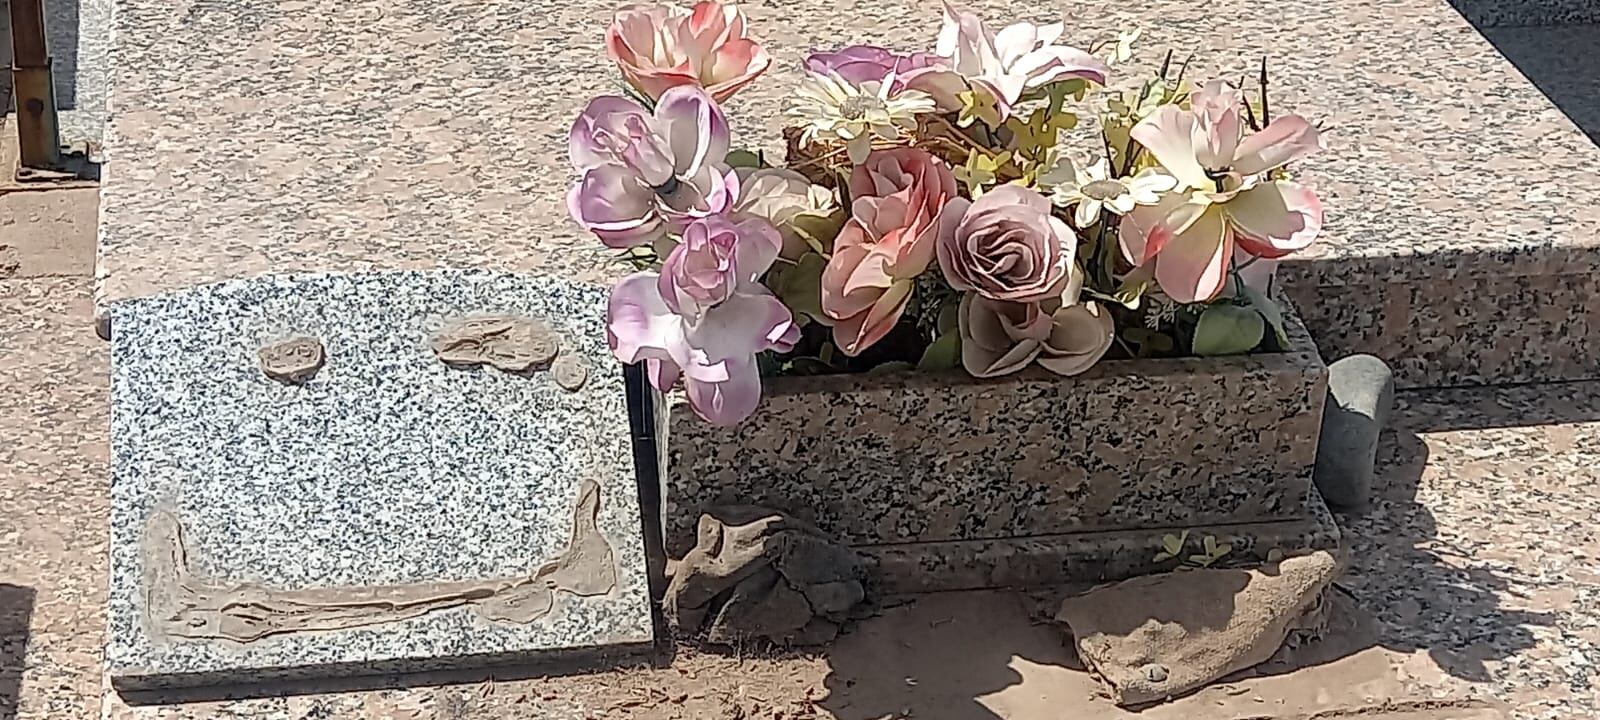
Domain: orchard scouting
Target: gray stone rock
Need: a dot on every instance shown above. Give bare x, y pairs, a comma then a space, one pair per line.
1360, 397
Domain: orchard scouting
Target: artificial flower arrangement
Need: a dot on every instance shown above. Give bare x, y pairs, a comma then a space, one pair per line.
933, 211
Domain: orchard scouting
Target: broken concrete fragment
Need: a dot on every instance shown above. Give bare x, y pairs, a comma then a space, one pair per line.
294, 360
1159, 636
508, 342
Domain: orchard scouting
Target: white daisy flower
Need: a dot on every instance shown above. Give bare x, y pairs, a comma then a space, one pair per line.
831, 107
1092, 189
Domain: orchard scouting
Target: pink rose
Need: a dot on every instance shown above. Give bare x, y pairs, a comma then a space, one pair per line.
905, 201
663, 46
1009, 247
999, 338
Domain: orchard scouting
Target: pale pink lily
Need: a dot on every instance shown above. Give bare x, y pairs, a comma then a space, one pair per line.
1001, 67
706, 316
659, 47
645, 174
1226, 196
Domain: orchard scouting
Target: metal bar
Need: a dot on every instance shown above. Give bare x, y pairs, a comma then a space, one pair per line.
38, 134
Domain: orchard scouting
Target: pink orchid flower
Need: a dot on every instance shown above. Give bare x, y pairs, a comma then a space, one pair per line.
705, 316
645, 174
1226, 196
659, 47
1001, 66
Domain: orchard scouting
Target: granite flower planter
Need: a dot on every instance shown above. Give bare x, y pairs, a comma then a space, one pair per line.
952, 482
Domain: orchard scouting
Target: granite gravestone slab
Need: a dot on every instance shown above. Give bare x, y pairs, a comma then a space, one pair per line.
343, 474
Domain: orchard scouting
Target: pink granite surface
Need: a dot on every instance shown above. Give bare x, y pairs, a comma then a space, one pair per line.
272, 135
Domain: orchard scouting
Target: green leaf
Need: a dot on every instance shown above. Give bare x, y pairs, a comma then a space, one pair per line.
1210, 544
949, 317
818, 230
892, 367
744, 159
1268, 309
799, 286
1224, 549
942, 354
1201, 560
1163, 556
1228, 330
1173, 544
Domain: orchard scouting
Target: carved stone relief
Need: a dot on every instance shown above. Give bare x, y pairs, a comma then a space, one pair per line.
183, 603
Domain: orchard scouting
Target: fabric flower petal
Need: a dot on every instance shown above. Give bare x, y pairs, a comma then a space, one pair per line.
1080, 334
695, 128
1193, 266
610, 202
1274, 219
1286, 139
731, 400
639, 324
1170, 135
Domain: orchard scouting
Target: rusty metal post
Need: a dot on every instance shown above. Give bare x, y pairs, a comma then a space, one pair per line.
38, 135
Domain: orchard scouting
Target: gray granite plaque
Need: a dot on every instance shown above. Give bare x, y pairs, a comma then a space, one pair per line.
390, 511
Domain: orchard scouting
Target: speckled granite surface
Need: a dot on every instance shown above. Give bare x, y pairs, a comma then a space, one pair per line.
897, 458
387, 468
1506, 330
1045, 560
1443, 161
1479, 559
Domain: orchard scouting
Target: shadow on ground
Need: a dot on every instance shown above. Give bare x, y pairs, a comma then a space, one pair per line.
16, 611
1408, 591
1427, 592
1561, 61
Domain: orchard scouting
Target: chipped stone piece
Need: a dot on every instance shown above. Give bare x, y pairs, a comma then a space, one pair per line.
294, 360
508, 342
571, 372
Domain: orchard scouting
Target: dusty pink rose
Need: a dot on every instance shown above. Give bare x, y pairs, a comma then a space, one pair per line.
904, 201
857, 64
999, 338
661, 46
1009, 247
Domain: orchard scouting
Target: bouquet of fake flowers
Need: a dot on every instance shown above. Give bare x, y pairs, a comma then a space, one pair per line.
933, 210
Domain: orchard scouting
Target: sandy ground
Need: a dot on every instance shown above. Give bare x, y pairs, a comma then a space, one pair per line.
1475, 574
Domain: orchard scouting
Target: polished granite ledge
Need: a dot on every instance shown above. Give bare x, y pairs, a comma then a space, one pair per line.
350, 143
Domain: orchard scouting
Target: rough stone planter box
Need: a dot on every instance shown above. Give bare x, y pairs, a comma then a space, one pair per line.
952, 482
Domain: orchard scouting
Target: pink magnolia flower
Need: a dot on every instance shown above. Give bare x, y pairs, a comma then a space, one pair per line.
644, 173
659, 47
705, 316
1226, 195
1010, 247
1002, 66
905, 200
858, 64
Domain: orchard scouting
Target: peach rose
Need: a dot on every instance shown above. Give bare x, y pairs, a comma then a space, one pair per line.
905, 200
659, 47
